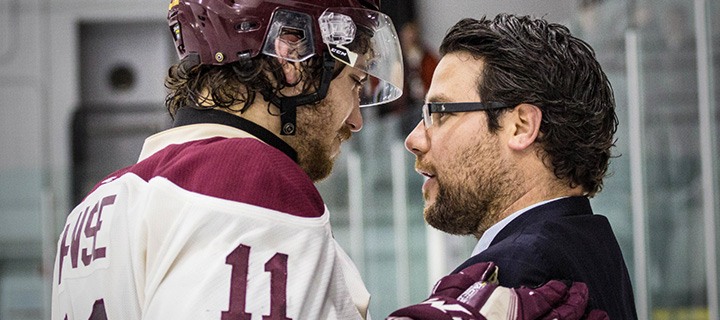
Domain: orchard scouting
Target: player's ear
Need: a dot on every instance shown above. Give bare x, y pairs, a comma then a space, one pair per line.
524, 123
290, 69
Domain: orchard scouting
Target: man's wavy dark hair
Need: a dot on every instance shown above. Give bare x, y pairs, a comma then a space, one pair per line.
528, 60
235, 84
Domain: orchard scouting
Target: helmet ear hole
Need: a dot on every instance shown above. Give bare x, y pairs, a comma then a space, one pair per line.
290, 36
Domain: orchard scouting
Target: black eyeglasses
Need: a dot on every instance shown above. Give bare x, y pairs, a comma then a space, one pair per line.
446, 107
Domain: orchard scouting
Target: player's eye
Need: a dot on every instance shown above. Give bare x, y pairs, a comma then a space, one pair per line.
357, 83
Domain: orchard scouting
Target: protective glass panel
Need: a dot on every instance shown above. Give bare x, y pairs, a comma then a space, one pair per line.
675, 238
672, 157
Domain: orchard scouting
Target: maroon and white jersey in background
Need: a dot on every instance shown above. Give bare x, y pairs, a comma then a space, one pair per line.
212, 223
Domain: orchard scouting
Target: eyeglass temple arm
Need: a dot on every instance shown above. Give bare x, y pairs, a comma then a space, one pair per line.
434, 107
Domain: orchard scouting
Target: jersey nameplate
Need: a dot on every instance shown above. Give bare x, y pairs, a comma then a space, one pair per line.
84, 241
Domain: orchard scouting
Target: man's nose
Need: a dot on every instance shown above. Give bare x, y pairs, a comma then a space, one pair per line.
416, 142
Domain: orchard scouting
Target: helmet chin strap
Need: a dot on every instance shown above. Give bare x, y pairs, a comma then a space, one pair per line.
288, 105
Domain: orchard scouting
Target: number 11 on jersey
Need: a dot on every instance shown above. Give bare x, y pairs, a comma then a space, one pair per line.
277, 266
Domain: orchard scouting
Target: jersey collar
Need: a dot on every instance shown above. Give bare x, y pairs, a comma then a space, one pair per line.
188, 116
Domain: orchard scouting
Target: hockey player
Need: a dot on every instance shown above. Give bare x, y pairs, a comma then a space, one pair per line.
220, 219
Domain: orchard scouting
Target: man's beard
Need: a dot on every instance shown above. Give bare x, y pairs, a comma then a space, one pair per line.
471, 202
312, 141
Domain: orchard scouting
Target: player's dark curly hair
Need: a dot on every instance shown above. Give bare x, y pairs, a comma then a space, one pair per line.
528, 60
234, 84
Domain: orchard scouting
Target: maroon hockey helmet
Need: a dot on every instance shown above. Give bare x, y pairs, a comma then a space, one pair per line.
225, 31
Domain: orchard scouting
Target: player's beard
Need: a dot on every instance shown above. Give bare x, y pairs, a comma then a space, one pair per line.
470, 196
315, 139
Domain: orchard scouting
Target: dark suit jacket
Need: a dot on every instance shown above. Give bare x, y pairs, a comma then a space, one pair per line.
563, 240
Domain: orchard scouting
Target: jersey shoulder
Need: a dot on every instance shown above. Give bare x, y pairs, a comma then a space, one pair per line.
238, 169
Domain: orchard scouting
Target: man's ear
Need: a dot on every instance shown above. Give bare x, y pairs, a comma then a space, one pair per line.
524, 125
291, 71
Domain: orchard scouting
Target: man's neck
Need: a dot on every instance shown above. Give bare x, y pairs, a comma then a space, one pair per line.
190, 116
536, 182
539, 192
260, 112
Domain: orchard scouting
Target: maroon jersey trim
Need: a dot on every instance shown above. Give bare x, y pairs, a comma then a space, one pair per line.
239, 169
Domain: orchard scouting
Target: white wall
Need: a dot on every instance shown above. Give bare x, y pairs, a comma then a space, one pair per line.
63, 58
20, 125
39, 89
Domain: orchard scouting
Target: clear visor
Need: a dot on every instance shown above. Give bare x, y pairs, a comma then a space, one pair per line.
366, 40
360, 38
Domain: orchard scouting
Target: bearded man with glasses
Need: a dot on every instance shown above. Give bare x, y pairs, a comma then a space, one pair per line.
515, 138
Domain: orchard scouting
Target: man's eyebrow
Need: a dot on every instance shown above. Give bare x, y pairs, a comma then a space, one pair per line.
438, 98
359, 76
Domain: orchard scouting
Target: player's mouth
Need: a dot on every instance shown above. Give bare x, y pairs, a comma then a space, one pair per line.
342, 136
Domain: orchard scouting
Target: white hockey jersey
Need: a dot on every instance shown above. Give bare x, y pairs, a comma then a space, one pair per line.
212, 223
